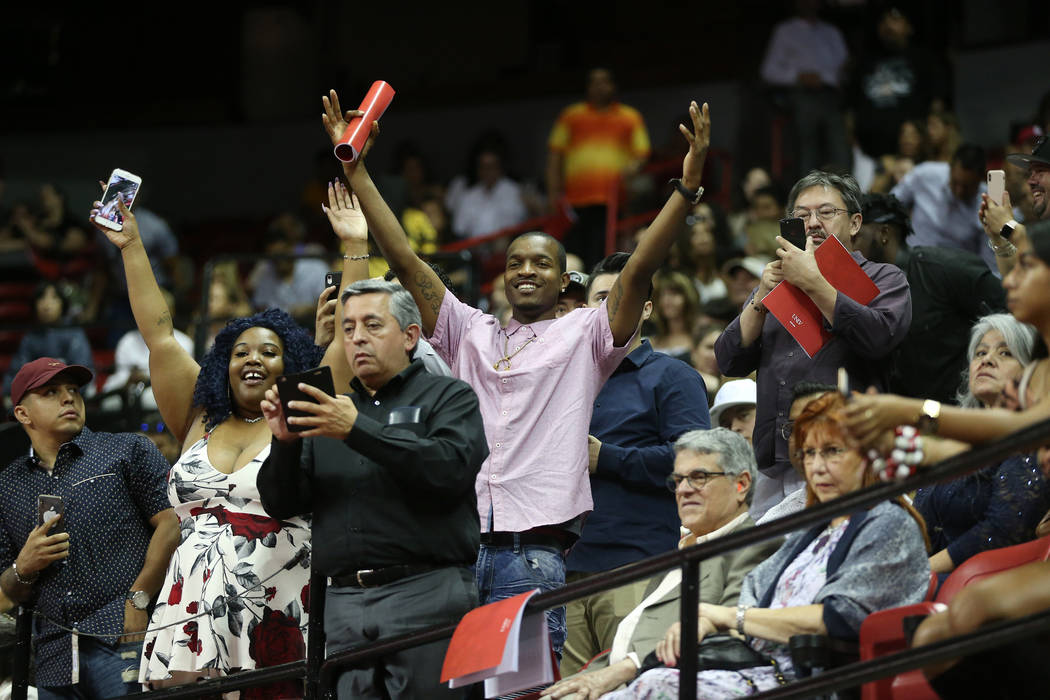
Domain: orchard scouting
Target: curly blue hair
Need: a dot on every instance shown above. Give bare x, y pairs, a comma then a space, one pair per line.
212, 391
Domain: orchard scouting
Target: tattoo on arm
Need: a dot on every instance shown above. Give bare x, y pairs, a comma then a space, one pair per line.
615, 298
164, 319
426, 290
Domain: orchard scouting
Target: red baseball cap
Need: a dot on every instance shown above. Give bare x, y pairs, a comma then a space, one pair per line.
40, 371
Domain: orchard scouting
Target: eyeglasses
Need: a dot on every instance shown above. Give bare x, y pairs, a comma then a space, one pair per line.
786, 428
694, 219
824, 213
696, 479
831, 454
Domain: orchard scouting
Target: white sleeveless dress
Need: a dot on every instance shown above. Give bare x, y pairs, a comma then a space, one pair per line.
230, 566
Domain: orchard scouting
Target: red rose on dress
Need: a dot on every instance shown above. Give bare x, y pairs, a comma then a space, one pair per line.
149, 649
175, 594
277, 639
253, 527
304, 597
192, 608
270, 593
194, 645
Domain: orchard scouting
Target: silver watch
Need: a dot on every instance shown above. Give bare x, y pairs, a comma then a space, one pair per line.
139, 599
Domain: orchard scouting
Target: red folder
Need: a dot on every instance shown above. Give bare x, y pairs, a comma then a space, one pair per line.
357, 131
497, 643
797, 312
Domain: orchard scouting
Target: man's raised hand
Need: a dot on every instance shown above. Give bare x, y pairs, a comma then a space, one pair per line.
335, 122
699, 138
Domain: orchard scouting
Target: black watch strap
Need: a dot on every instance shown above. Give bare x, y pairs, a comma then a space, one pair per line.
690, 196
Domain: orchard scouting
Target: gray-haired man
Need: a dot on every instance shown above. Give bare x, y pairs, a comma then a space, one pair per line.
861, 336
388, 474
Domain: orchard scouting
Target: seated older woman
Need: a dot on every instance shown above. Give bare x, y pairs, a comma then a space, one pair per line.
823, 581
712, 478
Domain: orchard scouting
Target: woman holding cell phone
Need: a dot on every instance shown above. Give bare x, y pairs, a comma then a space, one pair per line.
236, 592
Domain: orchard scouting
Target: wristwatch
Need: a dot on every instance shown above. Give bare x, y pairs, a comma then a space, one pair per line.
1008, 229
927, 420
690, 196
139, 599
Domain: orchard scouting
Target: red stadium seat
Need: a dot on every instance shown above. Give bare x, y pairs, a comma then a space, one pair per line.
882, 632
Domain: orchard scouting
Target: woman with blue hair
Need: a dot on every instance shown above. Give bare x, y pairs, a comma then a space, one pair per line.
236, 593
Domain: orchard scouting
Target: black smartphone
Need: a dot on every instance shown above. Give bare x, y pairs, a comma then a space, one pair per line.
334, 279
794, 231
288, 390
48, 508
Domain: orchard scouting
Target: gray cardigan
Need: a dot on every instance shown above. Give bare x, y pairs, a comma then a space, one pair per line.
880, 562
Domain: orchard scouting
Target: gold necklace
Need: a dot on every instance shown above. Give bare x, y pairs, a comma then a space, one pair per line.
506, 358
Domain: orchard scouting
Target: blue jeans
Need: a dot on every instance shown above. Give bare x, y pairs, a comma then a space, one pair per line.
504, 572
105, 672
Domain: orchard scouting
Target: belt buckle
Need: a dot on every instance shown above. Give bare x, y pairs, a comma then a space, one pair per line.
361, 583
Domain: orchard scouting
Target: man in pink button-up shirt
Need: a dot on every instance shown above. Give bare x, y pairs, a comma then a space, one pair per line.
536, 379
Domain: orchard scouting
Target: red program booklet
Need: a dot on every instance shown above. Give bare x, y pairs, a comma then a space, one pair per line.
797, 312
501, 645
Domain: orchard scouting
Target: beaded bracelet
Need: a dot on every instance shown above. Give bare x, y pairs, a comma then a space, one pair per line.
18, 577
905, 457
355, 257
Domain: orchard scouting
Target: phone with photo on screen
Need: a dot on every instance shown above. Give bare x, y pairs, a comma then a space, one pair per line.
121, 184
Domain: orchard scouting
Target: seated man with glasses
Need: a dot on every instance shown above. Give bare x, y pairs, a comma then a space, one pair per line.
862, 337
714, 471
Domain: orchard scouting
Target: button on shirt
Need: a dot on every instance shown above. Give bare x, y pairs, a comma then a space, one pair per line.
537, 413
938, 217
111, 485
647, 404
399, 489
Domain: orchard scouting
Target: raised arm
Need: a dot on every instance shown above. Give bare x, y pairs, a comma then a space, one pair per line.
348, 223
414, 274
624, 303
173, 372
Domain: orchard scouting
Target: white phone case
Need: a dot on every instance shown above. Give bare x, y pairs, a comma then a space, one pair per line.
996, 185
120, 182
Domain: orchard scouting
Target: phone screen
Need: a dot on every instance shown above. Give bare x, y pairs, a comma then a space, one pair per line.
117, 187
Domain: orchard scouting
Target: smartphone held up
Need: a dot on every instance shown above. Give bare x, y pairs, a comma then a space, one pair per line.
122, 186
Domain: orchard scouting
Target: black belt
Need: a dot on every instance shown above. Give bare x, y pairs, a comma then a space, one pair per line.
507, 539
368, 578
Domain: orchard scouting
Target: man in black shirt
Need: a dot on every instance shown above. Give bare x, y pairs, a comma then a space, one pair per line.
388, 474
950, 290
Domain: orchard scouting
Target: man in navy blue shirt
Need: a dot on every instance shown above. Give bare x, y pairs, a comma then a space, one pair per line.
95, 568
649, 401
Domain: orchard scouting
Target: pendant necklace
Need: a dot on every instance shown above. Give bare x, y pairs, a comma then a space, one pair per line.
503, 363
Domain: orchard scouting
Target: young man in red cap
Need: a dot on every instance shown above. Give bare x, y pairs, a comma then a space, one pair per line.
95, 567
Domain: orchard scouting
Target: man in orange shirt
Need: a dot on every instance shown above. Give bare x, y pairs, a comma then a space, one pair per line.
592, 145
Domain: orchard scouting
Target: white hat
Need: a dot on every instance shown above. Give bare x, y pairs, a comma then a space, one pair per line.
739, 392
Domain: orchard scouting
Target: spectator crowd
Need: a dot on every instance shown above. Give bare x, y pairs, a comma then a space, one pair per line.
589, 409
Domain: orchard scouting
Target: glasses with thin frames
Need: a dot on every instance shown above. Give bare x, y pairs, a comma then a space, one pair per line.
697, 479
831, 454
824, 213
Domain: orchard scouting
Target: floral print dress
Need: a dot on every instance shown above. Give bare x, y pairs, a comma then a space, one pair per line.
228, 603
